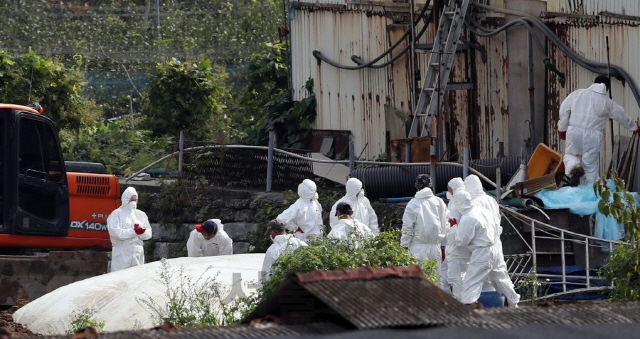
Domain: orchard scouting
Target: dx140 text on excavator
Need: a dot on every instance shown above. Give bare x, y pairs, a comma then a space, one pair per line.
53, 227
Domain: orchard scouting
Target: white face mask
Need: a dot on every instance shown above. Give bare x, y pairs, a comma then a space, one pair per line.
132, 205
449, 196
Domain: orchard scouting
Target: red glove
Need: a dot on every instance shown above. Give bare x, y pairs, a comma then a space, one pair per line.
139, 230
299, 230
443, 256
452, 222
562, 135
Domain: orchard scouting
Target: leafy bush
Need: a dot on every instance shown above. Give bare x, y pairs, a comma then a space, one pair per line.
118, 145
622, 267
192, 303
190, 97
327, 254
29, 77
82, 319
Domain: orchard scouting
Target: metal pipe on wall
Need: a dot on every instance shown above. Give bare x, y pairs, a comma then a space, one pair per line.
432, 167
352, 157
532, 111
181, 154
270, 160
465, 162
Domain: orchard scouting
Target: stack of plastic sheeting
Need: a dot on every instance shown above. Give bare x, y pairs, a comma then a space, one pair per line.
117, 298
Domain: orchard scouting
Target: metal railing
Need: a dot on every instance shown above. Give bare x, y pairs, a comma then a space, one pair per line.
351, 162
571, 283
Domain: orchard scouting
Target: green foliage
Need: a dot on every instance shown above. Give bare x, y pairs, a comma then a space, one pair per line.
531, 288
622, 267
258, 241
33, 78
190, 97
290, 120
119, 145
128, 30
330, 254
82, 319
266, 77
265, 102
389, 215
192, 303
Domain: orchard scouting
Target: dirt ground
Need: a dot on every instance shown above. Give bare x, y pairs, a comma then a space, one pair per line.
8, 327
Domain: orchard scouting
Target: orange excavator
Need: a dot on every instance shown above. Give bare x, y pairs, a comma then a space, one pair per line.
53, 216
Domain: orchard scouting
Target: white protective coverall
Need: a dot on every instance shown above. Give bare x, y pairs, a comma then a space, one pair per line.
304, 217
583, 115
362, 210
282, 245
475, 230
127, 248
456, 257
499, 276
424, 223
347, 229
220, 244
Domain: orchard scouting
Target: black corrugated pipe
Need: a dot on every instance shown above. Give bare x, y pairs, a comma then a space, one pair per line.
396, 182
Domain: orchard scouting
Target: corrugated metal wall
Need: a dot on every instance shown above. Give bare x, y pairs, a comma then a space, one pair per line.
347, 100
594, 7
373, 102
589, 39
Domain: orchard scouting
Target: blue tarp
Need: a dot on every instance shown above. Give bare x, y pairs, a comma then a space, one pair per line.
582, 200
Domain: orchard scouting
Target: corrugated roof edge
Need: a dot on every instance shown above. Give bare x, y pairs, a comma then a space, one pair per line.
364, 273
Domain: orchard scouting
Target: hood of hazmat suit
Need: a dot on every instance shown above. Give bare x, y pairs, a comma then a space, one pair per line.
304, 217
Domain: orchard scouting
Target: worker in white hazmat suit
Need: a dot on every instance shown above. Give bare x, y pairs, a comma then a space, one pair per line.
209, 239
424, 222
304, 217
362, 210
128, 227
456, 257
283, 244
476, 232
583, 116
347, 227
499, 276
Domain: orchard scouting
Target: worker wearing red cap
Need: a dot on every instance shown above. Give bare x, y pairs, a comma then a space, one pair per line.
209, 239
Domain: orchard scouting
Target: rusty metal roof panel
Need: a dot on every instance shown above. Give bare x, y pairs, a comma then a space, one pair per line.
365, 273
574, 314
231, 332
392, 297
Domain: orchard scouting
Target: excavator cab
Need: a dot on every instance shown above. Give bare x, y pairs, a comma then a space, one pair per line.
44, 204
35, 193
53, 214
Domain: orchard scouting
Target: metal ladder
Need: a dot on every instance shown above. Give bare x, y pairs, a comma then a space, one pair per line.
439, 67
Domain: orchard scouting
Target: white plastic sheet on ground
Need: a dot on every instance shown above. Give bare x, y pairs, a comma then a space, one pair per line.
115, 297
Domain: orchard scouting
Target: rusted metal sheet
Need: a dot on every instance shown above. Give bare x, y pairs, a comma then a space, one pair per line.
30, 277
589, 40
347, 100
491, 122
399, 95
595, 7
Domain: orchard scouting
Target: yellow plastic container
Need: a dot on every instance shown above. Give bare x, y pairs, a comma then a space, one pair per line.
544, 161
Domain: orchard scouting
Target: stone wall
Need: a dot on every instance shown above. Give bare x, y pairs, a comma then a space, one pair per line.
236, 208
